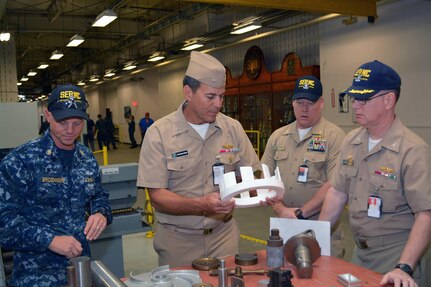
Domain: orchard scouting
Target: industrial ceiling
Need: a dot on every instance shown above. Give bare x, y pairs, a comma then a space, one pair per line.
39, 27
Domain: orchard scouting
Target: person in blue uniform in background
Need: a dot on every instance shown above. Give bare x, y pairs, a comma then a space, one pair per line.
47, 186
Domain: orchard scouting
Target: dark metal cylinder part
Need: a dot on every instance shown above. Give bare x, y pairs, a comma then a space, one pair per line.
70, 276
82, 271
303, 261
103, 277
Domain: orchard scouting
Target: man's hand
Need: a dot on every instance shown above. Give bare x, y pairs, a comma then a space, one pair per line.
213, 204
95, 225
271, 201
66, 245
284, 212
399, 278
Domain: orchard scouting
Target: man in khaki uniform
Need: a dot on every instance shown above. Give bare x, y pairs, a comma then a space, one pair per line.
179, 157
305, 153
384, 174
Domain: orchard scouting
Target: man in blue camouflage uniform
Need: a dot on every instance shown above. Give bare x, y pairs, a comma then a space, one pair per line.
46, 187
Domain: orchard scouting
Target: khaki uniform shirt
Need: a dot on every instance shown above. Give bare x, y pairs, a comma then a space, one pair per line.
397, 169
175, 157
318, 150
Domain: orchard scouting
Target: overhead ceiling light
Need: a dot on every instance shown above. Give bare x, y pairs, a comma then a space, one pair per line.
75, 41
4, 36
81, 83
157, 56
32, 73
43, 66
19, 84
109, 73
129, 66
104, 18
192, 46
94, 78
24, 79
244, 27
56, 55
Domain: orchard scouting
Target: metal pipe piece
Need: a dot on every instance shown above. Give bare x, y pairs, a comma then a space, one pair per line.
103, 277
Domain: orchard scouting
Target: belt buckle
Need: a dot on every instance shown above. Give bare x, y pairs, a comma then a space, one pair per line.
208, 231
362, 244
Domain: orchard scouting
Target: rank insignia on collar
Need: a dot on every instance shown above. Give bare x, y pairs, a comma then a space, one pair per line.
49, 152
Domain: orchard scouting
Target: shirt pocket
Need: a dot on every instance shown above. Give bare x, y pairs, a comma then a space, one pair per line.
180, 166
316, 164
387, 188
230, 161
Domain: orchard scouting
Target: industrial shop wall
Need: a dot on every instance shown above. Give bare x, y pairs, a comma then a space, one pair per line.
18, 123
399, 38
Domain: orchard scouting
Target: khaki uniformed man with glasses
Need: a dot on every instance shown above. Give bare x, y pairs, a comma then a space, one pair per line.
383, 174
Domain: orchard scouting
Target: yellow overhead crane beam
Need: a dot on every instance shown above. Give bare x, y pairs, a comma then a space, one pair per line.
344, 7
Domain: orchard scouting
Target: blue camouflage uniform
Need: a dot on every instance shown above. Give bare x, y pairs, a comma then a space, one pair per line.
41, 198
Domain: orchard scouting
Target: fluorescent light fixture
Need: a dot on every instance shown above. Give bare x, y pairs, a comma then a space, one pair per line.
43, 66
192, 46
4, 36
24, 79
129, 66
104, 18
32, 73
81, 83
157, 56
94, 78
246, 27
75, 41
109, 73
19, 84
56, 55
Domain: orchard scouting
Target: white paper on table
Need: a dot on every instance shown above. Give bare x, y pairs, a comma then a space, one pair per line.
292, 227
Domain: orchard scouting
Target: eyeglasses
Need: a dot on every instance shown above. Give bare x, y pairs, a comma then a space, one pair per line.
69, 103
364, 101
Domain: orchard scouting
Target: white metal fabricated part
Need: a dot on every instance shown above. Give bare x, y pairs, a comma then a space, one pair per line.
265, 187
164, 277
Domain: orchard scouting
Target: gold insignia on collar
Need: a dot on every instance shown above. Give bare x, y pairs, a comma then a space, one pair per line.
49, 152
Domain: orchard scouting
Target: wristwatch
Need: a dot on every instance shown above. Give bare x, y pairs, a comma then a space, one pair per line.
298, 214
406, 268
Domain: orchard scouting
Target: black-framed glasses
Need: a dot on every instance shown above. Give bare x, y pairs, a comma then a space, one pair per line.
364, 101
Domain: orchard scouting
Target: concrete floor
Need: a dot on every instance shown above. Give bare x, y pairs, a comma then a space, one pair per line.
139, 255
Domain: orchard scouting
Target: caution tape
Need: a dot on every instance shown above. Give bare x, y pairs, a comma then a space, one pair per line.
249, 238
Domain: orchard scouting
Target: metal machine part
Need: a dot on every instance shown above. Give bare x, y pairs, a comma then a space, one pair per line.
231, 272
237, 280
82, 268
222, 274
302, 250
246, 259
206, 263
120, 181
103, 277
164, 277
349, 280
280, 278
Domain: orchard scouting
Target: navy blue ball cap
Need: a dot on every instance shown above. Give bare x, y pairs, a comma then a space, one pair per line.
307, 87
67, 101
371, 78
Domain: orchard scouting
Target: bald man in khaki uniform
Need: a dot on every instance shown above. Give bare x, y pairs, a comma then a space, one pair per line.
384, 174
176, 165
310, 143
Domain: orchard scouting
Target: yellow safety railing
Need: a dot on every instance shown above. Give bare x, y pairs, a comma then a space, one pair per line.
149, 213
105, 154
